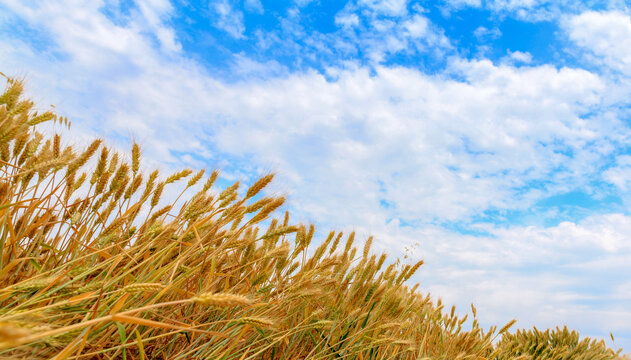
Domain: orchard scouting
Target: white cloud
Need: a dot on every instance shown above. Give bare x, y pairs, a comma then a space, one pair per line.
442, 149
346, 20
450, 6
386, 7
410, 33
620, 174
548, 10
154, 12
417, 26
484, 34
245, 67
254, 6
463, 3
303, 3
516, 4
531, 10
228, 18
364, 31
519, 57
607, 35
86, 37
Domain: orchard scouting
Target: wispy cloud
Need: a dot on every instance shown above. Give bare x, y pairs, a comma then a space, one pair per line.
385, 7
254, 5
367, 32
535, 10
382, 34
227, 18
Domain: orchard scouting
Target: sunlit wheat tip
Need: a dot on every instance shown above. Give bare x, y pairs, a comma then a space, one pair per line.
257, 321
143, 287
367, 247
113, 163
195, 178
228, 192
80, 181
281, 231
118, 177
258, 205
322, 323
413, 270
403, 342
336, 242
135, 157
281, 251
222, 300
150, 183
211, 180
83, 158
349, 243
101, 182
161, 212
227, 200
259, 185
178, 175
135, 185
35, 284
156, 195
268, 209
100, 166
114, 226
507, 326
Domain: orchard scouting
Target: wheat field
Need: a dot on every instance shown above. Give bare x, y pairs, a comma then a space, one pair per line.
94, 264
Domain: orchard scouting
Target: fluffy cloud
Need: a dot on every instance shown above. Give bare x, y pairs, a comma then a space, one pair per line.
347, 21
401, 136
620, 174
606, 35
483, 34
519, 57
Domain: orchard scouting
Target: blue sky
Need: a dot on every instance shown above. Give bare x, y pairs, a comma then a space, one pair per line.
490, 138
